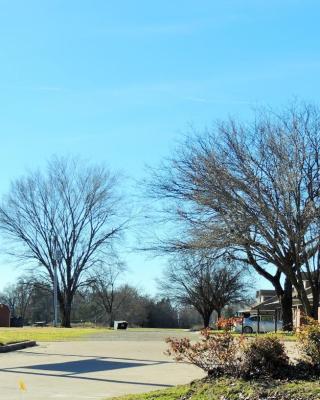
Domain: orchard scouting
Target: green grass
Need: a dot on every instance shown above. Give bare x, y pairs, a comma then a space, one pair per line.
285, 336
156, 330
12, 335
235, 389
178, 392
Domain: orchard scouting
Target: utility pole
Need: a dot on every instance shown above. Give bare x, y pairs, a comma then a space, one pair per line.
56, 264
55, 294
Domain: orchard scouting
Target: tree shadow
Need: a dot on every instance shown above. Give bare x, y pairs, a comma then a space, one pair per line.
97, 357
85, 378
86, 366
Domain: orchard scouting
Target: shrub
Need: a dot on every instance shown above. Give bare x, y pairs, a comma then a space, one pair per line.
216, 354
227, 323
264, 356
309, 341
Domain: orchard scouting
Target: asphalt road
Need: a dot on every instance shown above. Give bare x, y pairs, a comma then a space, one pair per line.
105, 365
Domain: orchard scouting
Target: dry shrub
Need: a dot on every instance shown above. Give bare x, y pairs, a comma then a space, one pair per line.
228, 323
264, 356
309, 341
216, 354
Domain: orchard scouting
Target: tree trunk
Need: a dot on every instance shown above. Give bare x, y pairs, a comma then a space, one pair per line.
315, 303
218, 311
286, 305
66, 319
284, 294
302, 294
206, 320
111, 320
66, 313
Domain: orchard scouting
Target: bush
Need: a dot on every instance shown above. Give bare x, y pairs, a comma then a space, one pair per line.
225, 354
264, 356
216, 354
309, 341
228, 323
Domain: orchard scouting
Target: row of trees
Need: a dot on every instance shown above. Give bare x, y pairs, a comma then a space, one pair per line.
251, 191
191, 289
33, 302
241, 197
207, 281
69, 219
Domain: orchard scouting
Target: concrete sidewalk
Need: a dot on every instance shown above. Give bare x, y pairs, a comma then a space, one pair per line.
93, 369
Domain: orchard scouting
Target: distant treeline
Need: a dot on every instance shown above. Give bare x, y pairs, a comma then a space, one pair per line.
33, 302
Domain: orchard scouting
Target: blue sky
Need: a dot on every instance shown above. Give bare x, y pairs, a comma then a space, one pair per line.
119, 81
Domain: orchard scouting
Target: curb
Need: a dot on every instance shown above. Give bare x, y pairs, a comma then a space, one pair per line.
17, 346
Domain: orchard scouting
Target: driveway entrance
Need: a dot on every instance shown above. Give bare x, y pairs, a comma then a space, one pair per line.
105, 366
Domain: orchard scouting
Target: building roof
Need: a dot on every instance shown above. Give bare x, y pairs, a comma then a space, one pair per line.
266, 291
268, 305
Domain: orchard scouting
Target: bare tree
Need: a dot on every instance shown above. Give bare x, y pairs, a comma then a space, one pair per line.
8, 297
72, 209
205, 282
104, 285
254, 189
18, 296
135, 307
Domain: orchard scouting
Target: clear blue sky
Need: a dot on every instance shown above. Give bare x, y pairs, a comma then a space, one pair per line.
118, 81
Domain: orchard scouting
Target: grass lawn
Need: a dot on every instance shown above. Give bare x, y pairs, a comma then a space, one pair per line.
157, 330
285, 336
12, 335
50, 334
235, 389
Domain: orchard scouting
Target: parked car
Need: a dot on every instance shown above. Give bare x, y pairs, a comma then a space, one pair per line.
250, 324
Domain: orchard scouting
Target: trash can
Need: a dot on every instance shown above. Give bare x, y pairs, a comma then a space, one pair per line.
120, 325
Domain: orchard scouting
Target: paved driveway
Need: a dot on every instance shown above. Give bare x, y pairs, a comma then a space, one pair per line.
107, 365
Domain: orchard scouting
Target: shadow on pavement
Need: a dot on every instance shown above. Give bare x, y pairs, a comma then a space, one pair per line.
85, 366
100, 358
72, 370
15, 371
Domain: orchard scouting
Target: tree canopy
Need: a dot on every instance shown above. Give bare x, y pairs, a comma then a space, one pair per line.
252, 188
68, 216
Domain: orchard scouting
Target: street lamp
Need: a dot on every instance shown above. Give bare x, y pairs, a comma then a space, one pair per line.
56, 263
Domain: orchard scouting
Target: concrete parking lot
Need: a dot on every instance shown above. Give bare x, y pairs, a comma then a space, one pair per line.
103, 366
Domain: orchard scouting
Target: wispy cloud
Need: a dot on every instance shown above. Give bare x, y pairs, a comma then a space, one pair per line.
151, 29
227, 100
193, 91
196, 99
174, 28
34, 88
48, 89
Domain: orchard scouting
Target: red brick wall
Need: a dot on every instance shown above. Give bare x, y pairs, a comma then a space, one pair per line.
4, 316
